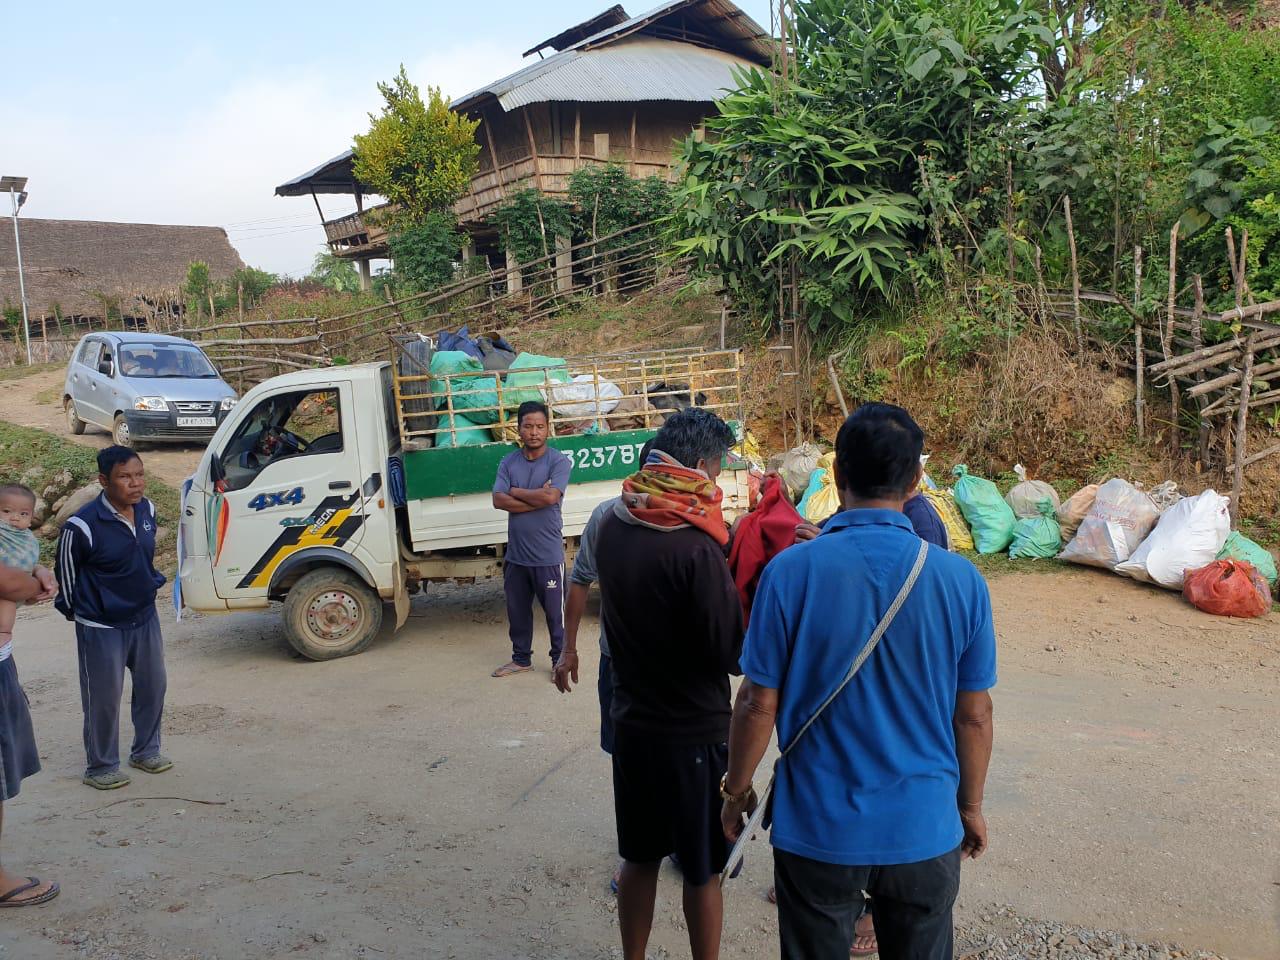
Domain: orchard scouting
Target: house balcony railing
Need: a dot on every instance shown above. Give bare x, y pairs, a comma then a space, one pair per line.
354, 237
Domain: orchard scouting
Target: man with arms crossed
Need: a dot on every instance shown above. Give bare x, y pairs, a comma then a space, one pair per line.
884, 791
107, 575
674, 623
530, 485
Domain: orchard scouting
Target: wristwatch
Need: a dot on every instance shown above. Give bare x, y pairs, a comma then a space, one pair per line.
735, 798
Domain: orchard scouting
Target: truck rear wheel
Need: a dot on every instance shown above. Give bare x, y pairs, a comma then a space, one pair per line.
331, 613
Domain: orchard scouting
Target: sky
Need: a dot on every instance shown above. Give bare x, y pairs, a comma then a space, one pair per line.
182, 113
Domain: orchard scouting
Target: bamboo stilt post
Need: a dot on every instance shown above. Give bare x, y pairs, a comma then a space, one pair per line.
1139, 357
1075, 278
1166, 341
1242, 425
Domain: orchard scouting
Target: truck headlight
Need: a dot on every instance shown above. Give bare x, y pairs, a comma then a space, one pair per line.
151, 403
228, 403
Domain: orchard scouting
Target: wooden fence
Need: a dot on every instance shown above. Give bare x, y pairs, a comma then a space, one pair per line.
1213, 387
617, 265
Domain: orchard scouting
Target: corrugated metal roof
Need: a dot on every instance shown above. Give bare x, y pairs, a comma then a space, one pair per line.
726, 17
624, 72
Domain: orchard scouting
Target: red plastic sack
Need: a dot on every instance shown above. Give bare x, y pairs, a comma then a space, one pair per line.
1228, 588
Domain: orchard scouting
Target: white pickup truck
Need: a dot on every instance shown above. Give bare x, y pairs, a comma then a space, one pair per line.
339, 489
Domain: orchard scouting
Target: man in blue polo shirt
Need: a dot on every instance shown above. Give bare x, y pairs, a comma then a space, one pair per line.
108, 580
884, 791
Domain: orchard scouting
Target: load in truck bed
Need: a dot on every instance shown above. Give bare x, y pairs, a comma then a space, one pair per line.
456, 425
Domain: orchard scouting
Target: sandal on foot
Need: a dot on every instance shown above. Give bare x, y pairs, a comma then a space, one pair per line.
511, 669
864, 944
157, 764
111, 780
7, 900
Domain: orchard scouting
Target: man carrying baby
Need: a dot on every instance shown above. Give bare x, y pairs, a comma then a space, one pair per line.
22, 579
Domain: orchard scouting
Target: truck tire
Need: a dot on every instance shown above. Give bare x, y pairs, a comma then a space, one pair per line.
74, 423
331, 613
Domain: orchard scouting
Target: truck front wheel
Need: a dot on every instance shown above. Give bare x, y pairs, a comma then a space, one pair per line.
331, 613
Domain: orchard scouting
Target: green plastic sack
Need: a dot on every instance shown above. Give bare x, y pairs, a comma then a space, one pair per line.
469, 395
467, 432
1038, 537
1240, 547
523, 383
989, 517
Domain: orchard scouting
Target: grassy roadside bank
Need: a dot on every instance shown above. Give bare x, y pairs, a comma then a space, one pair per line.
34, 457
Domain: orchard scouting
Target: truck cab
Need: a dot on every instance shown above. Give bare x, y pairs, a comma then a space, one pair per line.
308, 494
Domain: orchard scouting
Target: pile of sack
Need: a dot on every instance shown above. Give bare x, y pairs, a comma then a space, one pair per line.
487, 379
1157, 536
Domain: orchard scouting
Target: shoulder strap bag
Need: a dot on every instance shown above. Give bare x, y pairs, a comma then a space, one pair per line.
764, 803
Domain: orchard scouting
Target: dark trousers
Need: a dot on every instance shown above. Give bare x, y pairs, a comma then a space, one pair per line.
104, 654
819, 903
522, 586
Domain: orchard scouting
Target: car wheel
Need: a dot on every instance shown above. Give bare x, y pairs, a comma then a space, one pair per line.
331, 613
120, 434
74, 423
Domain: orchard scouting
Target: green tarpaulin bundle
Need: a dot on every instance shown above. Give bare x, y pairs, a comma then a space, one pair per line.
1038, 537
527, 378
1240, 547
989, 517
476, 397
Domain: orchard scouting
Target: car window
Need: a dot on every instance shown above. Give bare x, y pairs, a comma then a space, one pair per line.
90, 352
298, 424
164, 360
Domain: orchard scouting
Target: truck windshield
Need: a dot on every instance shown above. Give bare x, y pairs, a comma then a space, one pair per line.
164, 361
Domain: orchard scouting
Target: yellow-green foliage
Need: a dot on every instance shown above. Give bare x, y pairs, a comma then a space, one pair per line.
418, 154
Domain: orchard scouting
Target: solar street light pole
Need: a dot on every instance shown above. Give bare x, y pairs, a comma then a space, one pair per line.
18, 196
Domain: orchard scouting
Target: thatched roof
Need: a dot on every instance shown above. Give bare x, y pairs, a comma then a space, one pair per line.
78, 265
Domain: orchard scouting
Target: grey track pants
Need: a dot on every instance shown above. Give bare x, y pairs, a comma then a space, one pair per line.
104, 654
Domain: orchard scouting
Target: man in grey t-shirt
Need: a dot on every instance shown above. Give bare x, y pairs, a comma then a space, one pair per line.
530, 485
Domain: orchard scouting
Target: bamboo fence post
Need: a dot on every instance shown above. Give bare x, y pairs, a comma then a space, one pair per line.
1244, 265
1235, 269
1042, 292
1242, 424
1166, 341
1075, 278
1197, 337
1139, 357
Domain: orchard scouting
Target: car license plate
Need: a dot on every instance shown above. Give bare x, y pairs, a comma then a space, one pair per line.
197, 422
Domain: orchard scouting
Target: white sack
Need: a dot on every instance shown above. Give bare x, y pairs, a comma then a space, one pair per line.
1189, 535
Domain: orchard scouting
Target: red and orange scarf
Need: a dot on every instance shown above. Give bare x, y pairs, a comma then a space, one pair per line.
666, 495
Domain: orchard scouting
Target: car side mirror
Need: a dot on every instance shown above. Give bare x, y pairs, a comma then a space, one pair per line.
107, 368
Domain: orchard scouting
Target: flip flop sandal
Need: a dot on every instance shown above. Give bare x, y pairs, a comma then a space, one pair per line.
510, 670
32, 882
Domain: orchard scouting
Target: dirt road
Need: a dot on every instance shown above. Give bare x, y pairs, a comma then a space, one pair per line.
36, 401
403, 804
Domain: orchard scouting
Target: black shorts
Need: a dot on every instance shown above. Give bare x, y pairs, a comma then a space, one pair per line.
666, 799
18, 756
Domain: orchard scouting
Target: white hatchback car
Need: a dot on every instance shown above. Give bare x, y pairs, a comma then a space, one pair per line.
143, 386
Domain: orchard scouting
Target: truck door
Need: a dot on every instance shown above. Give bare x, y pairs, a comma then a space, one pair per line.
286, 480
